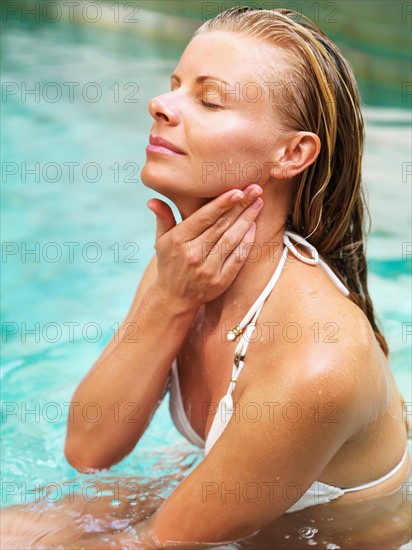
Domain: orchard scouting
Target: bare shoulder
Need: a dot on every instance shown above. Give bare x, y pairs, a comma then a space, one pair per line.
322, 350
330, 324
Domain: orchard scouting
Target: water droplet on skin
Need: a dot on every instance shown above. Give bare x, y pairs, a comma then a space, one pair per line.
311, 542
287, 537
307, 532
313, 294
115, 502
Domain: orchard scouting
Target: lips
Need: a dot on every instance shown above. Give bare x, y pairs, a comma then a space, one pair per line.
163, 143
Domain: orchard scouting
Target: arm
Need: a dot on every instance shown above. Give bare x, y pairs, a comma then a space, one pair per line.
127, 382
148, 279
129, 378
257, 470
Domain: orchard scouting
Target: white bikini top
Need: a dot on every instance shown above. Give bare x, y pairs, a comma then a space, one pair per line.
318, 492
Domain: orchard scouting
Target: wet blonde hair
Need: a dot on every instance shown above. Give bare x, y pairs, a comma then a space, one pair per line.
328, 206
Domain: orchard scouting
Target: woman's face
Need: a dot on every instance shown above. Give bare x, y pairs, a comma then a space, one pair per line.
220, 117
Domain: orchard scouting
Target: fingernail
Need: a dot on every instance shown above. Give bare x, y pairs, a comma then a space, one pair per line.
237, 196
255, 193
257, 205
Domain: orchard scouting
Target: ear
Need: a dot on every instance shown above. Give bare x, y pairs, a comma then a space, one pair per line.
295, 154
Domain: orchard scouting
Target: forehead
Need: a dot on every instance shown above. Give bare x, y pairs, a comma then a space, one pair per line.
232, 56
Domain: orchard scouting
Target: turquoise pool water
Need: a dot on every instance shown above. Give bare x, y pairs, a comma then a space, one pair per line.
71, 295
77, 234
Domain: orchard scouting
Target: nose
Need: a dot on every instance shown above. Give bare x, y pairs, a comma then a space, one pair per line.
162, 109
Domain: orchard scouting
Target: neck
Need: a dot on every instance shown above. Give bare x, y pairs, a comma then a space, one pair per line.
264, 255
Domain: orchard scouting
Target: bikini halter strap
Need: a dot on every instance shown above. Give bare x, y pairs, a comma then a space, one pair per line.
249, 320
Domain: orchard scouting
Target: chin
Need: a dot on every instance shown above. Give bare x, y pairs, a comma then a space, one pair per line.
151, 178
170, 186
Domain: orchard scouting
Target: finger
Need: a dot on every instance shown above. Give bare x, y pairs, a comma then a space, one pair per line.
210, 213
212, 235
233, 236
239, 255
165, 219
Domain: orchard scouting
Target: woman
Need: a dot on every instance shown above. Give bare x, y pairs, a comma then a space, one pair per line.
269, 345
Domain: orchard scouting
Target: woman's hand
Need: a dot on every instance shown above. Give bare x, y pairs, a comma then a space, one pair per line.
198, 259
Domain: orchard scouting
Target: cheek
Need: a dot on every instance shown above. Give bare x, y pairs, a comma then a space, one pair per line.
234, 158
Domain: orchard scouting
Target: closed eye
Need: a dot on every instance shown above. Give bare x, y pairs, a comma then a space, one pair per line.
209, 105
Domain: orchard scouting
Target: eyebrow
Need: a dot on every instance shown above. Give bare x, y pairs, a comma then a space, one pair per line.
201, 79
